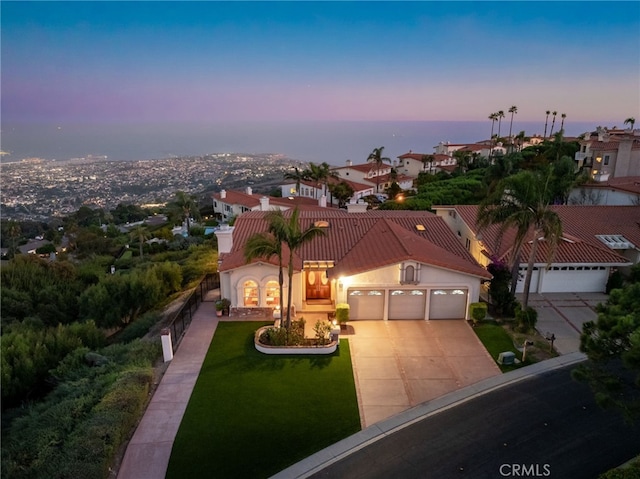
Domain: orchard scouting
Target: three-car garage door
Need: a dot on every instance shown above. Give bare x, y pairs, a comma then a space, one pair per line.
448, 304
407, 303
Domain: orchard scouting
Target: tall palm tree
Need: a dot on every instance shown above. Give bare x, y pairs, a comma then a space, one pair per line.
426, 160
378, 160
546, 120
630, 121
553, 122
187, 206
267, 245
493, 117
500, 117
563, 116
294, 238
296, 175
141, 234
522, 201
513, 110
320, 174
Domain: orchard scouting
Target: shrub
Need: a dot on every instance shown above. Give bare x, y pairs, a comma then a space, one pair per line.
342, 312
138, 328
615, 281
526, 319
322, 330
478, 311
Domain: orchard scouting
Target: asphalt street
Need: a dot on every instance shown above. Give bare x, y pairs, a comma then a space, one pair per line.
546, 426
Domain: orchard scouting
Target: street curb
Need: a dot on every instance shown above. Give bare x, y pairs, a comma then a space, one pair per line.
341, 449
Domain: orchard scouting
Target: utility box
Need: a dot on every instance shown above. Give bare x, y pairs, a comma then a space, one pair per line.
507, 358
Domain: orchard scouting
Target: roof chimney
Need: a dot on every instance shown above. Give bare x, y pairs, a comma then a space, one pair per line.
264, 203
223, 194
322, 202
349, 163
225, 237
248, 190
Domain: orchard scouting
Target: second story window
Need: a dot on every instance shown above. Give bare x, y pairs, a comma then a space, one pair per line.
606, 159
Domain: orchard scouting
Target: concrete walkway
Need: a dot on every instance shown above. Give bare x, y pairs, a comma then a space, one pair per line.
148, 452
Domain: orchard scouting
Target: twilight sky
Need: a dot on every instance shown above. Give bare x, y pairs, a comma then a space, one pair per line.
106, 62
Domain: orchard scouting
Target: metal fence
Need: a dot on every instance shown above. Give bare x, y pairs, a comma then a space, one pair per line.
182, 319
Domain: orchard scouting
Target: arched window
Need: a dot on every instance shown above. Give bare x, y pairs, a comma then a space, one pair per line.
250, 293
409, 274
272, 294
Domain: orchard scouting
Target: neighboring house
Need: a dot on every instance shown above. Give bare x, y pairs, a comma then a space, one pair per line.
384, 264
32, 245
596, 241
411, 163
616, 192
608, 154
312, 190
230, 204
365, 173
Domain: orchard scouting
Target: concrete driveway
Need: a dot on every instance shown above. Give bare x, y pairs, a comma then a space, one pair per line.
563, 315
400, 364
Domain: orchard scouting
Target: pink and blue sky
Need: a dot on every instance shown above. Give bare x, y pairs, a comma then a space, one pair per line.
106, 62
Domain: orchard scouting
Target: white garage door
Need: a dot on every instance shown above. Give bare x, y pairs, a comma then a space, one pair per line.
448, 304
407, 303
522, 272
365, 303
573, 280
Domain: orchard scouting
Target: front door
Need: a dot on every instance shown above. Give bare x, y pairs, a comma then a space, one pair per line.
318, 285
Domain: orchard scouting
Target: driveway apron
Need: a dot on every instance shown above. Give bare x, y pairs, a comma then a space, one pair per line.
400, 364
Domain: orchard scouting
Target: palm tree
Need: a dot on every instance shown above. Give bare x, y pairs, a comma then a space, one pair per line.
141, 234
563, 116
522, 201
341, 191
267, 245
630, 121
500, 117
320, 174
297, 175
378, 160
513, 110
426, 159
294, 237
493, 117
187, 206
545, 123
553, 122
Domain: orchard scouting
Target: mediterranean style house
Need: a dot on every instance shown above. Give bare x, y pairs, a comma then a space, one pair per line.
608, 154
596, 241
386, 265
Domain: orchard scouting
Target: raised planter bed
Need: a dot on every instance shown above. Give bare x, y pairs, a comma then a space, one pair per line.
328, 348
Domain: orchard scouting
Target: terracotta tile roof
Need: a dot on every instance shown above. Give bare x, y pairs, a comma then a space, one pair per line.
413, 156
628, 184
239, 198
581, 224
358, 242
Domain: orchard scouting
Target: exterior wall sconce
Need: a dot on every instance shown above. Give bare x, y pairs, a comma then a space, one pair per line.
598, 159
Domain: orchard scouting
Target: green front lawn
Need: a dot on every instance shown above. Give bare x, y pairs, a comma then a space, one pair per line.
252, 415
496, 340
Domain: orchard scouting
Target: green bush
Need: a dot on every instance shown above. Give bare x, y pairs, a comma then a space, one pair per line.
526, 319
478, 311
138, 328
342, 312
615, 281
322, 330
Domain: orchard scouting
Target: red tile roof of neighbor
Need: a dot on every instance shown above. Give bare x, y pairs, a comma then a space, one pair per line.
359, 242
253, 200
628, 184
580, 224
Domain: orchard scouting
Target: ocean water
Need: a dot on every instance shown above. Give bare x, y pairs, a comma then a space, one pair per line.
317, 141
